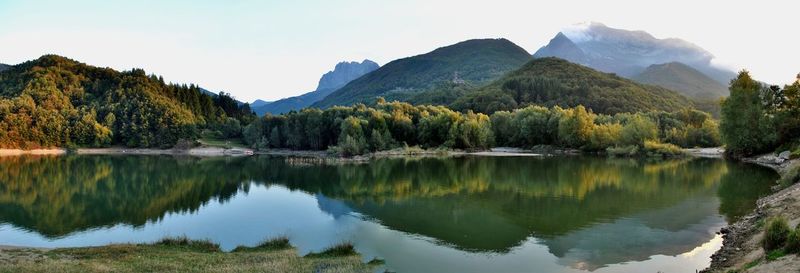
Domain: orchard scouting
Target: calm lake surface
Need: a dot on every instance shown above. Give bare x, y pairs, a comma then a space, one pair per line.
462, 214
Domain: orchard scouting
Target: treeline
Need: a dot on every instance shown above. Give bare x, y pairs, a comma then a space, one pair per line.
57, 102
757, 118
360, 129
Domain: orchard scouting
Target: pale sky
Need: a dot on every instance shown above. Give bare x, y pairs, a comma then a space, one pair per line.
275, 49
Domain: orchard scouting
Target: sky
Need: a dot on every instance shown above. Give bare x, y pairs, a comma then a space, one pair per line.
275, 49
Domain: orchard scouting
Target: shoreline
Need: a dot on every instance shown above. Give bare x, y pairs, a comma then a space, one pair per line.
198, 151
741, 249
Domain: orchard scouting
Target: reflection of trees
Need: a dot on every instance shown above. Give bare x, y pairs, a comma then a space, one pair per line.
56, 196
491, 204
475, 203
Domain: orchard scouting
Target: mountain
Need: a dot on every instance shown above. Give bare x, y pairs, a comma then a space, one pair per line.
683, 79
54, 101
551, 81
473, 61
343, 73
627, 53
4, 67
259, 103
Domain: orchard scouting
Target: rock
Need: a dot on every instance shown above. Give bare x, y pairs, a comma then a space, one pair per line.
785, 155
779, 160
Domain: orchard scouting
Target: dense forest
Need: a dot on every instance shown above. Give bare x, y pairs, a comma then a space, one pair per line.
57, 102
476, 61
757, 118
360, 129
556, 82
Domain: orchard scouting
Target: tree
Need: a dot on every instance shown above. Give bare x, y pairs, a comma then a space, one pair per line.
746, 129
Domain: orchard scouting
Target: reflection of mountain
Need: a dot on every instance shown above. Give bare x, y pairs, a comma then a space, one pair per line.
669, 231
576, 206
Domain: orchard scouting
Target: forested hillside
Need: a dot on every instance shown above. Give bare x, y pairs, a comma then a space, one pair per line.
472, 61
58, 102
556, 82
683, 79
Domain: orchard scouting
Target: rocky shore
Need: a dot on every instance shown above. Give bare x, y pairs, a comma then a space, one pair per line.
742, 250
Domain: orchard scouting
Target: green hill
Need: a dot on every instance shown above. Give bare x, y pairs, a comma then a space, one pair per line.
552, 81
58, 102
684, 79
472, 61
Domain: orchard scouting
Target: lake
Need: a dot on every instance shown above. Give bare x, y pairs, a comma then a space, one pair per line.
456, 214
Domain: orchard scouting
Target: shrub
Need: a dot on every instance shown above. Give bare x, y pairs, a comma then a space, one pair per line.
655, 148
793, 242
776, 234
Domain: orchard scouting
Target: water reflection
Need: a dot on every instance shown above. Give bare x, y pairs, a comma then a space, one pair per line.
586, 213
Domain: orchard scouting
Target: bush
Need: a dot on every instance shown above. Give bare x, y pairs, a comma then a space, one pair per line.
655, 148
776, 234
793, 242
339, 250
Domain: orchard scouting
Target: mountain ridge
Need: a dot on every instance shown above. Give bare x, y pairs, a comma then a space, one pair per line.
683, 79
552, 81
476, 60
628, 53
343, 73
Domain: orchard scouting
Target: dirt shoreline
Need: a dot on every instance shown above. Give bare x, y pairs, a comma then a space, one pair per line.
741, 248
199, 151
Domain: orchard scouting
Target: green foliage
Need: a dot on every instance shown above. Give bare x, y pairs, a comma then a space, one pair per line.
57, 102
747, 126
793, 242
361, 129
654, 148
638, 130
776, 233
472, 61
775, 254
556, 82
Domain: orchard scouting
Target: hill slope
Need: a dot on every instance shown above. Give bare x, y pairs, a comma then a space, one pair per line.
57, 102
627, 53
474, 61
552, 81
683, 79
343, 73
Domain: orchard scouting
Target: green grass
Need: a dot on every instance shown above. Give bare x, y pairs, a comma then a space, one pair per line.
183, 255
338, 250
278, 243
774, 255
776, 233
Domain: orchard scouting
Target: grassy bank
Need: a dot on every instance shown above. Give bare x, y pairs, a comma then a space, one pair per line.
183, 255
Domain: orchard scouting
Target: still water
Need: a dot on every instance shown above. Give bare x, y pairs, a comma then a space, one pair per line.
462, 214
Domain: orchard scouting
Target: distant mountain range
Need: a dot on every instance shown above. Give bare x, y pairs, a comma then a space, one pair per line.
259, 103
628, 53
552, 81
4, 67
683, 79
473, 61
342, 74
